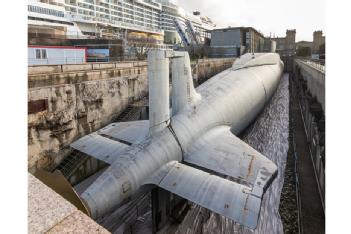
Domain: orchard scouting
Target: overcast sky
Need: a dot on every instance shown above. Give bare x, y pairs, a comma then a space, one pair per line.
266, 16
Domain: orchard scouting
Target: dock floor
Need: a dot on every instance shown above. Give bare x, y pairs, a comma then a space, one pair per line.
312, 213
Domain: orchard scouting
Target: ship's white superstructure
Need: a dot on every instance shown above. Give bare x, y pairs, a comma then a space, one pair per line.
49, 17
172, 14
85, 18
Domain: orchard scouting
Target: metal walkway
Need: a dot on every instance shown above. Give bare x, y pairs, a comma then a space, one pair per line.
311, 209
133, 111
71, 163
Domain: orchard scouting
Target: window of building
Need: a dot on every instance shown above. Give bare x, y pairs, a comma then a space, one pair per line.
40, 54
37, 54
43, 54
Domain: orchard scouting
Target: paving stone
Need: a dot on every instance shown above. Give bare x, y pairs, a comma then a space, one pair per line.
48, 212
77, 223
45, 207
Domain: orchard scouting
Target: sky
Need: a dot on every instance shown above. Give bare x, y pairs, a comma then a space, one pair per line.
267, 16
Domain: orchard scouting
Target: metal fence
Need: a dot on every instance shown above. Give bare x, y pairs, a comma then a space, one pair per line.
113, 59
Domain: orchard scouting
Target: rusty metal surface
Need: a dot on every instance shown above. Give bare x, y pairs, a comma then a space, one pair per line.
221, 151
233, 99
269, 136
222, 196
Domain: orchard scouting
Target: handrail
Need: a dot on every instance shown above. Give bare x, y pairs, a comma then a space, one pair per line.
313, 64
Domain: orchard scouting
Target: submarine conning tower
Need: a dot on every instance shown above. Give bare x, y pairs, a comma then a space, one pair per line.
183, 91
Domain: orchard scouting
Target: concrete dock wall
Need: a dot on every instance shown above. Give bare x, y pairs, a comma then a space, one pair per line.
206, 68
63, 106
66, 102
315, 78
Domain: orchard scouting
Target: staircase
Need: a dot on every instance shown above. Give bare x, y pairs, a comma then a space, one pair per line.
192, 32
181, 33
69, 165
131, 113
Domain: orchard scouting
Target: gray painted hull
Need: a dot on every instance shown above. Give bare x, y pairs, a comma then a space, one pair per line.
231, 99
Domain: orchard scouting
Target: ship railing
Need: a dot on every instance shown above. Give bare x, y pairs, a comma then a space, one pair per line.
116, 23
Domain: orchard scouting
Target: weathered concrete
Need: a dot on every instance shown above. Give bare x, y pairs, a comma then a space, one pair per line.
206, 68
269, 136
69, 101
315, 78
46, 69
76, 104
41, 76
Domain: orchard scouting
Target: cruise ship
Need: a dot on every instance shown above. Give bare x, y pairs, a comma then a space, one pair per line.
180, 26
160, 21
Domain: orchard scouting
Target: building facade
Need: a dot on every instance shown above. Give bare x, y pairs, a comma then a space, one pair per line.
232, 42
286, 46
318, 42
290, 40
53, 55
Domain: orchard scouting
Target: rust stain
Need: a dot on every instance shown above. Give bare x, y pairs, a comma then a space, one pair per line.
126, 186
249, 171
246, 210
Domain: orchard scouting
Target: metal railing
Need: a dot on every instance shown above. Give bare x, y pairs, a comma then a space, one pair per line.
319, 65
116, 23
37, 34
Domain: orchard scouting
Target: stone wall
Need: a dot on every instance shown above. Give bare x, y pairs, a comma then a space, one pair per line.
66, 102
67, 105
